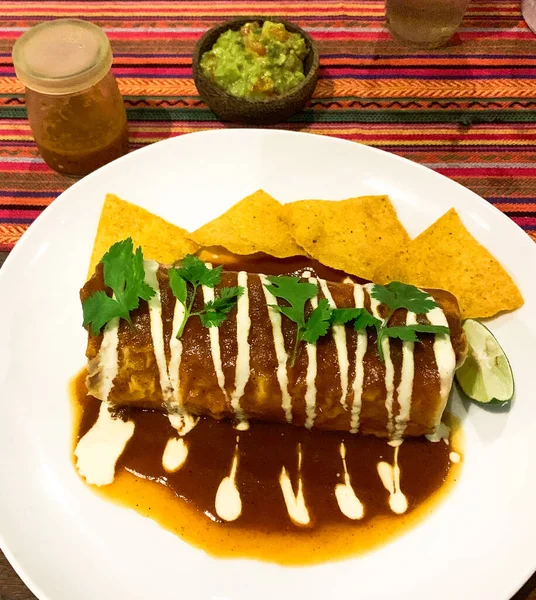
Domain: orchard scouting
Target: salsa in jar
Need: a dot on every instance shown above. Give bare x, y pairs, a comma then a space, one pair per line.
74, 106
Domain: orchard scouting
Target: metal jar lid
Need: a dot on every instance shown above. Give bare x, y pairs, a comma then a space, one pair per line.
62, 57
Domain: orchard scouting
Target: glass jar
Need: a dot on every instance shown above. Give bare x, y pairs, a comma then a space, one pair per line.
528, 9
75, 110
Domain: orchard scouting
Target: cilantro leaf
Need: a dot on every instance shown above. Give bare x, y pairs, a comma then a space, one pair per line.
360, 316
193, 271
318, 323
365, 319
178, 286
226, 301
341, 316
212, 318
408, 333
216, 311
124, 273
401, 295
423, 328
297, 292
196, 272
98, 310
402, 332
291, 313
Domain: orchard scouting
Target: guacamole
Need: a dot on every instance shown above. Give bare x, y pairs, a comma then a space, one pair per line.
256, 62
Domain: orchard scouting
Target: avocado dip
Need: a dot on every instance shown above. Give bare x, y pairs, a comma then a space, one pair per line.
256, 62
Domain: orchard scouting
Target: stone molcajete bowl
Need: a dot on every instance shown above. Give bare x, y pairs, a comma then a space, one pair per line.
254, 112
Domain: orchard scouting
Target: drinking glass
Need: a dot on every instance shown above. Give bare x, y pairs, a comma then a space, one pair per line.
424, 23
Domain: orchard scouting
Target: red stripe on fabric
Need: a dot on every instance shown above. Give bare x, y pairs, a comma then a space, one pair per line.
19, 214
503, 171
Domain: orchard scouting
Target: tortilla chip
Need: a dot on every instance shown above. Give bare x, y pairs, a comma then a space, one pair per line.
255, 224
353, 235
447, 256
160, 240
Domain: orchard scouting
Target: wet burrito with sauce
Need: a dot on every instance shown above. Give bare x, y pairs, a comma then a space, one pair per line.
299, 349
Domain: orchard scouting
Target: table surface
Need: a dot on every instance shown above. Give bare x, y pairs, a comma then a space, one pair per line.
466, 110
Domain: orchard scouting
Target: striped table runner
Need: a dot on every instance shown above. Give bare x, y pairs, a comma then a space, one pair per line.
466, 110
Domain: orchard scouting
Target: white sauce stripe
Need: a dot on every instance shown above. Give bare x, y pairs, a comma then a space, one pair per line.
360, 351
405, 387
108, 358
175, 454
454, 457
310, 379
280, 352
444, 355
228, 503
390, 476
349, 503
339, 337
441, 433
100, 448
295, 503
157, 329
214, 333
169, 373
175, 352
243, 325
389, 367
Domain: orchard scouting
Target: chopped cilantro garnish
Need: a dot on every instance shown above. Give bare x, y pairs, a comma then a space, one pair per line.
125, 275
394, 295
297, 293
192, 270
401, 295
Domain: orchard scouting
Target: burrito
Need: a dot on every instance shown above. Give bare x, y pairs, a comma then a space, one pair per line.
242, 370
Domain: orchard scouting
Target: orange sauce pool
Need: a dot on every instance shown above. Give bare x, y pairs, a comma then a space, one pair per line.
184, 502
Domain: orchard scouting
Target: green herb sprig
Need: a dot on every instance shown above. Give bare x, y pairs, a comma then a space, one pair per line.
125, 275
402, 295
193, 271
394, 295
297, 293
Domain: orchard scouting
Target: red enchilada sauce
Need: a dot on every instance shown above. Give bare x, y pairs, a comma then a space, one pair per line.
318, 462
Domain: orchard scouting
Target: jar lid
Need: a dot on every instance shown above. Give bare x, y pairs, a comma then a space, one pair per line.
62, 57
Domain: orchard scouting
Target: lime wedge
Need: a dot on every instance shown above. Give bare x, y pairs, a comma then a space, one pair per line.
486, 375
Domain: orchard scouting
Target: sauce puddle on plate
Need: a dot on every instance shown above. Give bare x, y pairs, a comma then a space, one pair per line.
273, 492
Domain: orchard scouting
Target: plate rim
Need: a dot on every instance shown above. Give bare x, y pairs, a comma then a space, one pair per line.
58, 203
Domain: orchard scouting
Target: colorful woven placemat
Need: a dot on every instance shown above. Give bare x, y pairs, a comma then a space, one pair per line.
467, 110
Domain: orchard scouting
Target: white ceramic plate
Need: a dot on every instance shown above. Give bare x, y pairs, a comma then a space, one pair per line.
67, 543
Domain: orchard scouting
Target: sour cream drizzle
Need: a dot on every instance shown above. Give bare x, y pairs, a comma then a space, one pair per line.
310, 379
442, 433
454, 457
405, 387
228, 503
214, 333
108, 359
175, 454
349, 503
339, 337
360, 350
389, 367
444, 355
169, 373
243, 325
390, 476
280, 352
295, 503
157, 329
98, 451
